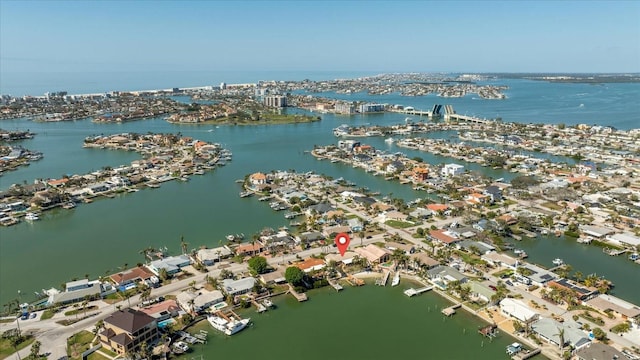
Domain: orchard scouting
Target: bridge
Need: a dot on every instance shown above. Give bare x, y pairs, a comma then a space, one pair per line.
449, 114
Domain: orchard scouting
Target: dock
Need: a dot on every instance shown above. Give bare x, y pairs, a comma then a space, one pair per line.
354, 281
451, 310
335, 285
300, 297
261, 308
411, 292
489, 331
613, 252
526, 354
383, 280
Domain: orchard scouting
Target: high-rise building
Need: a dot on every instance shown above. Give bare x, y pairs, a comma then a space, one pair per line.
277, 101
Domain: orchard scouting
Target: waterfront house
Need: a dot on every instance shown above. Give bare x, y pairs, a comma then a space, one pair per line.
309, 237
437, 209
624, 239
497, 259
421, 213
420, 174
408, 249
443, 275
131, 275
274, 277
471, 246
598, 351
238, 287
548, 330
480, 291
331, 231
373, 254
320, 209
209, 256
598, 232
163, 310
125, 330
196, 302
249, 249
92, 290
310, 264
420, 260
537, 275
581, 292
518, 310
452, 170
172, 264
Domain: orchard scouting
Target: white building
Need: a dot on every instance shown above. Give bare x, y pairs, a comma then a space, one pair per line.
452, 170
517, 310
238, 287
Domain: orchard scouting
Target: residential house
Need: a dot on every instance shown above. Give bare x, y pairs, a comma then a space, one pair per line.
309, 237
443, 275
258, 179
549, 329
420, 174
598, 351
618, 307
537, 275
172, 264
274, 277
518, 310
582, 293
126, 329
480, 291
443, 236
238, 287
310, 264
346, 259
494, 193
355, 224
422, 260
249, 249
331, 231
452, 170
197, 302
134, 275
163, 310
497, 259
373, 254
209, 256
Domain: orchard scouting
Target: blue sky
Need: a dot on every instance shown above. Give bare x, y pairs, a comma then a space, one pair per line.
453, 36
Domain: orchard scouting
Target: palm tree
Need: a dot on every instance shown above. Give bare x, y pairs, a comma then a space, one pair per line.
560, 334
35, 350
361, 235
15, 340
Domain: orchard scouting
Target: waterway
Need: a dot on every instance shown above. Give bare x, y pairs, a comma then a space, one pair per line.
369, 322
98, 238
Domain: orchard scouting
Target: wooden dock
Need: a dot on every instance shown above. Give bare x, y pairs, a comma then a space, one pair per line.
489, 331
383, 280
261, 308
411, 292
451, 310
526, 354
354, 281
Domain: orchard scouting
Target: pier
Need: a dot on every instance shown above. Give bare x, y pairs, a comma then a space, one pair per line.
383, 280
335, 285
261, 308
300, 297
526, 354
451, 310
411, 292
613, 252
354, 281
489, 331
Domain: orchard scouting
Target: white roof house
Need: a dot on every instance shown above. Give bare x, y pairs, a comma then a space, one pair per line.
625, 239
209, 256
238, 287
517, 309
452, 169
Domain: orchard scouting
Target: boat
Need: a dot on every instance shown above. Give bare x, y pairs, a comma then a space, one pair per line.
265, 198
180, 347
396, 279
31, 216
634, 257
69, 205
389, 140
227, 326
267, 303
517, 251
245, 194
558, 262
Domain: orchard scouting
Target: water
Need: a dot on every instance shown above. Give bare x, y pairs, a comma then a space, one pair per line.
98, 238
349, 325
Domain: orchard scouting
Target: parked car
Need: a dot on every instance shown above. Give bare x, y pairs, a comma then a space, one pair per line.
493, 288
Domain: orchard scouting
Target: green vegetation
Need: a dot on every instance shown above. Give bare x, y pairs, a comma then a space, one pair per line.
10, 342
596, 320
97, 356
47, 314
398, 224
294, 275
78, 343
621, 328
552, 206
258, 265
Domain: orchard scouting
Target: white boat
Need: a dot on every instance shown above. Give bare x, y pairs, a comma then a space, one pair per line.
558, 262
389, 140
31, 217
228, 327
267, 303
246, 194
396, 279
517, 251
180, 347
634, 257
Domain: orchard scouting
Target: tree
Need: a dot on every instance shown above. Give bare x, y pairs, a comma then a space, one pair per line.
294, 275
258, 265
226, 274
560, 335
599, 334
35, 350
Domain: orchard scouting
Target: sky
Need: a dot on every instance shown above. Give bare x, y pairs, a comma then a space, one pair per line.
427, 36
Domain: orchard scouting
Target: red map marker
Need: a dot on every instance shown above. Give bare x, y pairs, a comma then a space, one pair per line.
342, 242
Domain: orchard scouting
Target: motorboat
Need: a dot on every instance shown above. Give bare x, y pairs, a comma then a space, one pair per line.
396, 279
558, 262
389, 140
31, 216
180, 347
267, 303
228, 326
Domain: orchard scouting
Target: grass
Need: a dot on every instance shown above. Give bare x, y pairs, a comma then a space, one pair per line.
80, 310
47, 314
78, 343
6, 349
398, 224
6, 321
97, 356
552, 206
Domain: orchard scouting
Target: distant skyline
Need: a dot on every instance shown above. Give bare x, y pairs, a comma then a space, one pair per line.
400, 36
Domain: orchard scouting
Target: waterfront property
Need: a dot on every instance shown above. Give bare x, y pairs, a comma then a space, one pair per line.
172, 265
238, 287
125, 330
549, 330
197, 302
518, 310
